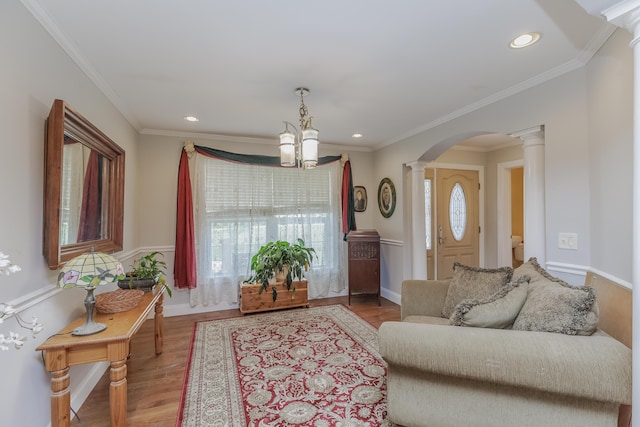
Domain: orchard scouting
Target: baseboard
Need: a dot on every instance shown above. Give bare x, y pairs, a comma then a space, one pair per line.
184, 309
171, 310
390, 295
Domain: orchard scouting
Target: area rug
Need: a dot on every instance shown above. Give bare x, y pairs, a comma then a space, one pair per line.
316, 366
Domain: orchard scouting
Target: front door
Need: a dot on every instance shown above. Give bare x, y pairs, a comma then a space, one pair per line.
457, 219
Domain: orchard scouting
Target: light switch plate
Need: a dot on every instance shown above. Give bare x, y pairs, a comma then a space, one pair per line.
568, 241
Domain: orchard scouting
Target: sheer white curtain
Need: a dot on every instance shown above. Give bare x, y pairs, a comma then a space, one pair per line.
238, 208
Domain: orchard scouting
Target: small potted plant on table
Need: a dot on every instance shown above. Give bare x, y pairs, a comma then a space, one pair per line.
285, 262
146, 273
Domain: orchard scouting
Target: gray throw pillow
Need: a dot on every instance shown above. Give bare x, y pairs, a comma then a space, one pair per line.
473, 283
497, 311
553, 305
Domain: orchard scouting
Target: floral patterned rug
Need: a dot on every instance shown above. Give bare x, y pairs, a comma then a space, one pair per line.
314, 366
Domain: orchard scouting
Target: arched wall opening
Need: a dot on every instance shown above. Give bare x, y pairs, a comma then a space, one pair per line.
496, 222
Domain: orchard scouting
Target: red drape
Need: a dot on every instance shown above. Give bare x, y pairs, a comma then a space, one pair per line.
89, 227
348, 210
184, 270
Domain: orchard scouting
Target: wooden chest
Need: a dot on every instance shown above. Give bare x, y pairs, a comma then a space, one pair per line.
252, 301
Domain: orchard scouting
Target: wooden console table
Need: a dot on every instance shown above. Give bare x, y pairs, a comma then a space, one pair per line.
112, 345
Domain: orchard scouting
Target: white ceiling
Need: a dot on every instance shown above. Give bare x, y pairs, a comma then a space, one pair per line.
386, 69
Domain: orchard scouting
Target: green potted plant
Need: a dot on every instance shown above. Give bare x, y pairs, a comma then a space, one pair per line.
280, 258
146, 272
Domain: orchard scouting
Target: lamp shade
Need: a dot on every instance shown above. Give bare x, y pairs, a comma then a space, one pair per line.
287, 149
90, 270
309, 148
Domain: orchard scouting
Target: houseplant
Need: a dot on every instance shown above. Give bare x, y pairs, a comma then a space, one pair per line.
146, 272
280, 258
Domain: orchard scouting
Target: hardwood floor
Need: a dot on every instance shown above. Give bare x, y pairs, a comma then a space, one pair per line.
155, 382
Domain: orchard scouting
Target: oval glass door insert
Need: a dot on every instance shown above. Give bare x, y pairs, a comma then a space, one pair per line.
458, 212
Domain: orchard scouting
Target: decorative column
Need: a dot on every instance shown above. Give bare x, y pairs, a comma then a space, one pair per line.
626, 14
418, 227
534, 207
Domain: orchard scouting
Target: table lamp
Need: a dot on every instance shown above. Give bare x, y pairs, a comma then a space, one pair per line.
89, 271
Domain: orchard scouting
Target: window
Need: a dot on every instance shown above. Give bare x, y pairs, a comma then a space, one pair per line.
241, 207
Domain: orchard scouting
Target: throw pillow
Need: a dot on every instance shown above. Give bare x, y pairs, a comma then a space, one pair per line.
473, 283
553, 305
497, 311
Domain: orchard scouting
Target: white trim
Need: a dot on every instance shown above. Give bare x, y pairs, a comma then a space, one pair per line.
63, 41
245, 139
560, 70
585, 55
171, 310
33, 298
560, 267
390, 242
167, 248
120, 256
616, 13
390, 295
611, 277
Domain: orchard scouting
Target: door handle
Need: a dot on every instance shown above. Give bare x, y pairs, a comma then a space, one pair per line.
440, 235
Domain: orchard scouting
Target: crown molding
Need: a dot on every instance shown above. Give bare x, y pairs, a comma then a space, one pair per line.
60, 37
245, 139
583, 58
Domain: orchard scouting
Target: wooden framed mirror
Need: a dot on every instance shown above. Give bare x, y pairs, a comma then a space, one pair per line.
83, 189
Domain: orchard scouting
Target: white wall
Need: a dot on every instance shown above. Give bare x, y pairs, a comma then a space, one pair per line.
34, 72
609, 87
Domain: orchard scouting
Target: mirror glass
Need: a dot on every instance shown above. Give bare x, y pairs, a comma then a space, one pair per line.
84, 205
84, 188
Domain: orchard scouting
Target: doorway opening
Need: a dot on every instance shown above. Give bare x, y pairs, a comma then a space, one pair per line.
510, 218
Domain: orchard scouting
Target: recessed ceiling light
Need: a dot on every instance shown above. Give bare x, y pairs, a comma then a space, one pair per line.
357, 135
524, 40
191, 119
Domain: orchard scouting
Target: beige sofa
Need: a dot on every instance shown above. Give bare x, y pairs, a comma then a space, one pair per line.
441, 375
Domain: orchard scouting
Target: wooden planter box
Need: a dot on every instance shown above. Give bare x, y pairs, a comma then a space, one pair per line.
251, 301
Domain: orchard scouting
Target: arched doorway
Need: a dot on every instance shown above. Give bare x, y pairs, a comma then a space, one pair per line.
492, 233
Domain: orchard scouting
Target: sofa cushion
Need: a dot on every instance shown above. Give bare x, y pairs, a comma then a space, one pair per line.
430, 320
553, 305
473, 283
497, 311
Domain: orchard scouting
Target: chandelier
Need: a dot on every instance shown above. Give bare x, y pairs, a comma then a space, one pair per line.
300, 148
